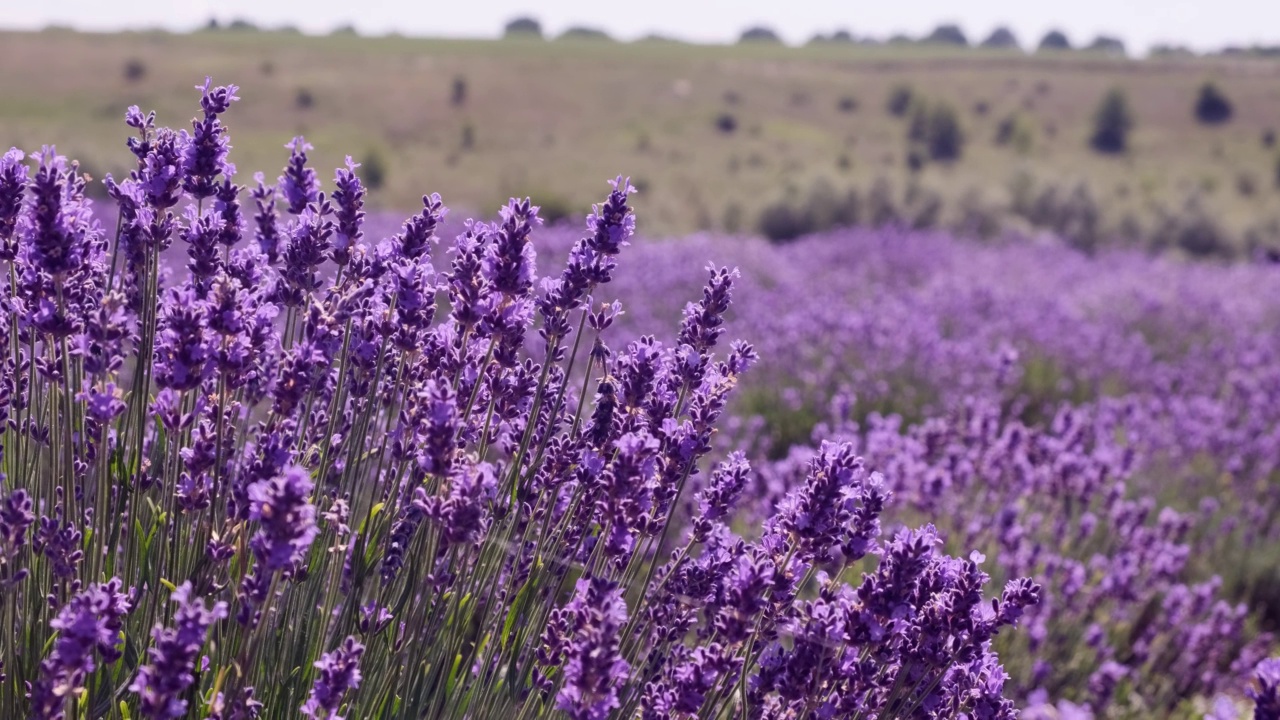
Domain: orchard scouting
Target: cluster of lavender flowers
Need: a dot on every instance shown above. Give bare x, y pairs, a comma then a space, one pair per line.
1106, 426
316, 473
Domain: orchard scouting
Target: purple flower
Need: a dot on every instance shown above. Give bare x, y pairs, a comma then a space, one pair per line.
1266, 694
612, 223
16, 518
718, 499
838, 505
165, 679
463, 510
348, 196
205, 154
161, 173
13, 181
265, 220
298, 184
594, 669
61, 228
184, 350
91, 621
510, 262
286, 518
339, 674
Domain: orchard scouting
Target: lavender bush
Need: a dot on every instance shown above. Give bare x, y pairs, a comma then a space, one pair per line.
1105, 426
320, 473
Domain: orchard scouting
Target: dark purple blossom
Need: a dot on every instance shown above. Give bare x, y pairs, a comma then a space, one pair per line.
266, 220
163, 682
90, 622
339, 674
205, 152
13, 182
1266, 692
298, 183
286, 520
593, 668
348, 197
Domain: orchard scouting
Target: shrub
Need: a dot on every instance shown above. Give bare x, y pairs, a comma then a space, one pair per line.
900, 100
303, 99
1246, 184
1107, 45
726, 123
1212, 106
468, 140
1054, 40
946, 136
523, 27
579, 32
1015, 130
847, 104
1268, 138
947, 34
1191, 229
458, 95
1073, 215
134, 70
759, 34
373, 170
1002, 38
1112, 123
935, 127
821, 208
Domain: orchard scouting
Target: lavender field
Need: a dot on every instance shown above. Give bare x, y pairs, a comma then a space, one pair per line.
268, 456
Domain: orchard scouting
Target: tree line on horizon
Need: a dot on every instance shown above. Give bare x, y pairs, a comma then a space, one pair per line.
946, 34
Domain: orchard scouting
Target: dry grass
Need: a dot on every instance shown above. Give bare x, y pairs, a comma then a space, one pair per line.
555, 119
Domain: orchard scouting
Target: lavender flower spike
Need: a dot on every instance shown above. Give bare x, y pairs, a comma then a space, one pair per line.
92, 620
298, 184
1266, 696
282, 507
205, 155
13, 180
594, 668
339, 674
348, 195
163, 682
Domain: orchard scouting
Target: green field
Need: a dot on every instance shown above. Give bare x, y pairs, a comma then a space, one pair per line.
554, 119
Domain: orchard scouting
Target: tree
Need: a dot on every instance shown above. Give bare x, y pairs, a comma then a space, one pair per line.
1212, 106
1112, 124
581, 32
934, 133
759, 34
1055, 40
1002, 38
900, 98
459, 95
1107, 45
945, 137
523, 27
948, 34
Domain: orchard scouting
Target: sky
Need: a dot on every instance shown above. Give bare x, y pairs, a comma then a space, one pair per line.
1200, 24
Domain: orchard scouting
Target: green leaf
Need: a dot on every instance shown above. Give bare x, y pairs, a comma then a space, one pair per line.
517, 608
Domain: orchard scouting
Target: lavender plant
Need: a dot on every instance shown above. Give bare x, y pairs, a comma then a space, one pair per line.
309, 473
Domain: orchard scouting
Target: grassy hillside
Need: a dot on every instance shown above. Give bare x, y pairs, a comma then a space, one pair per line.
555, 118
